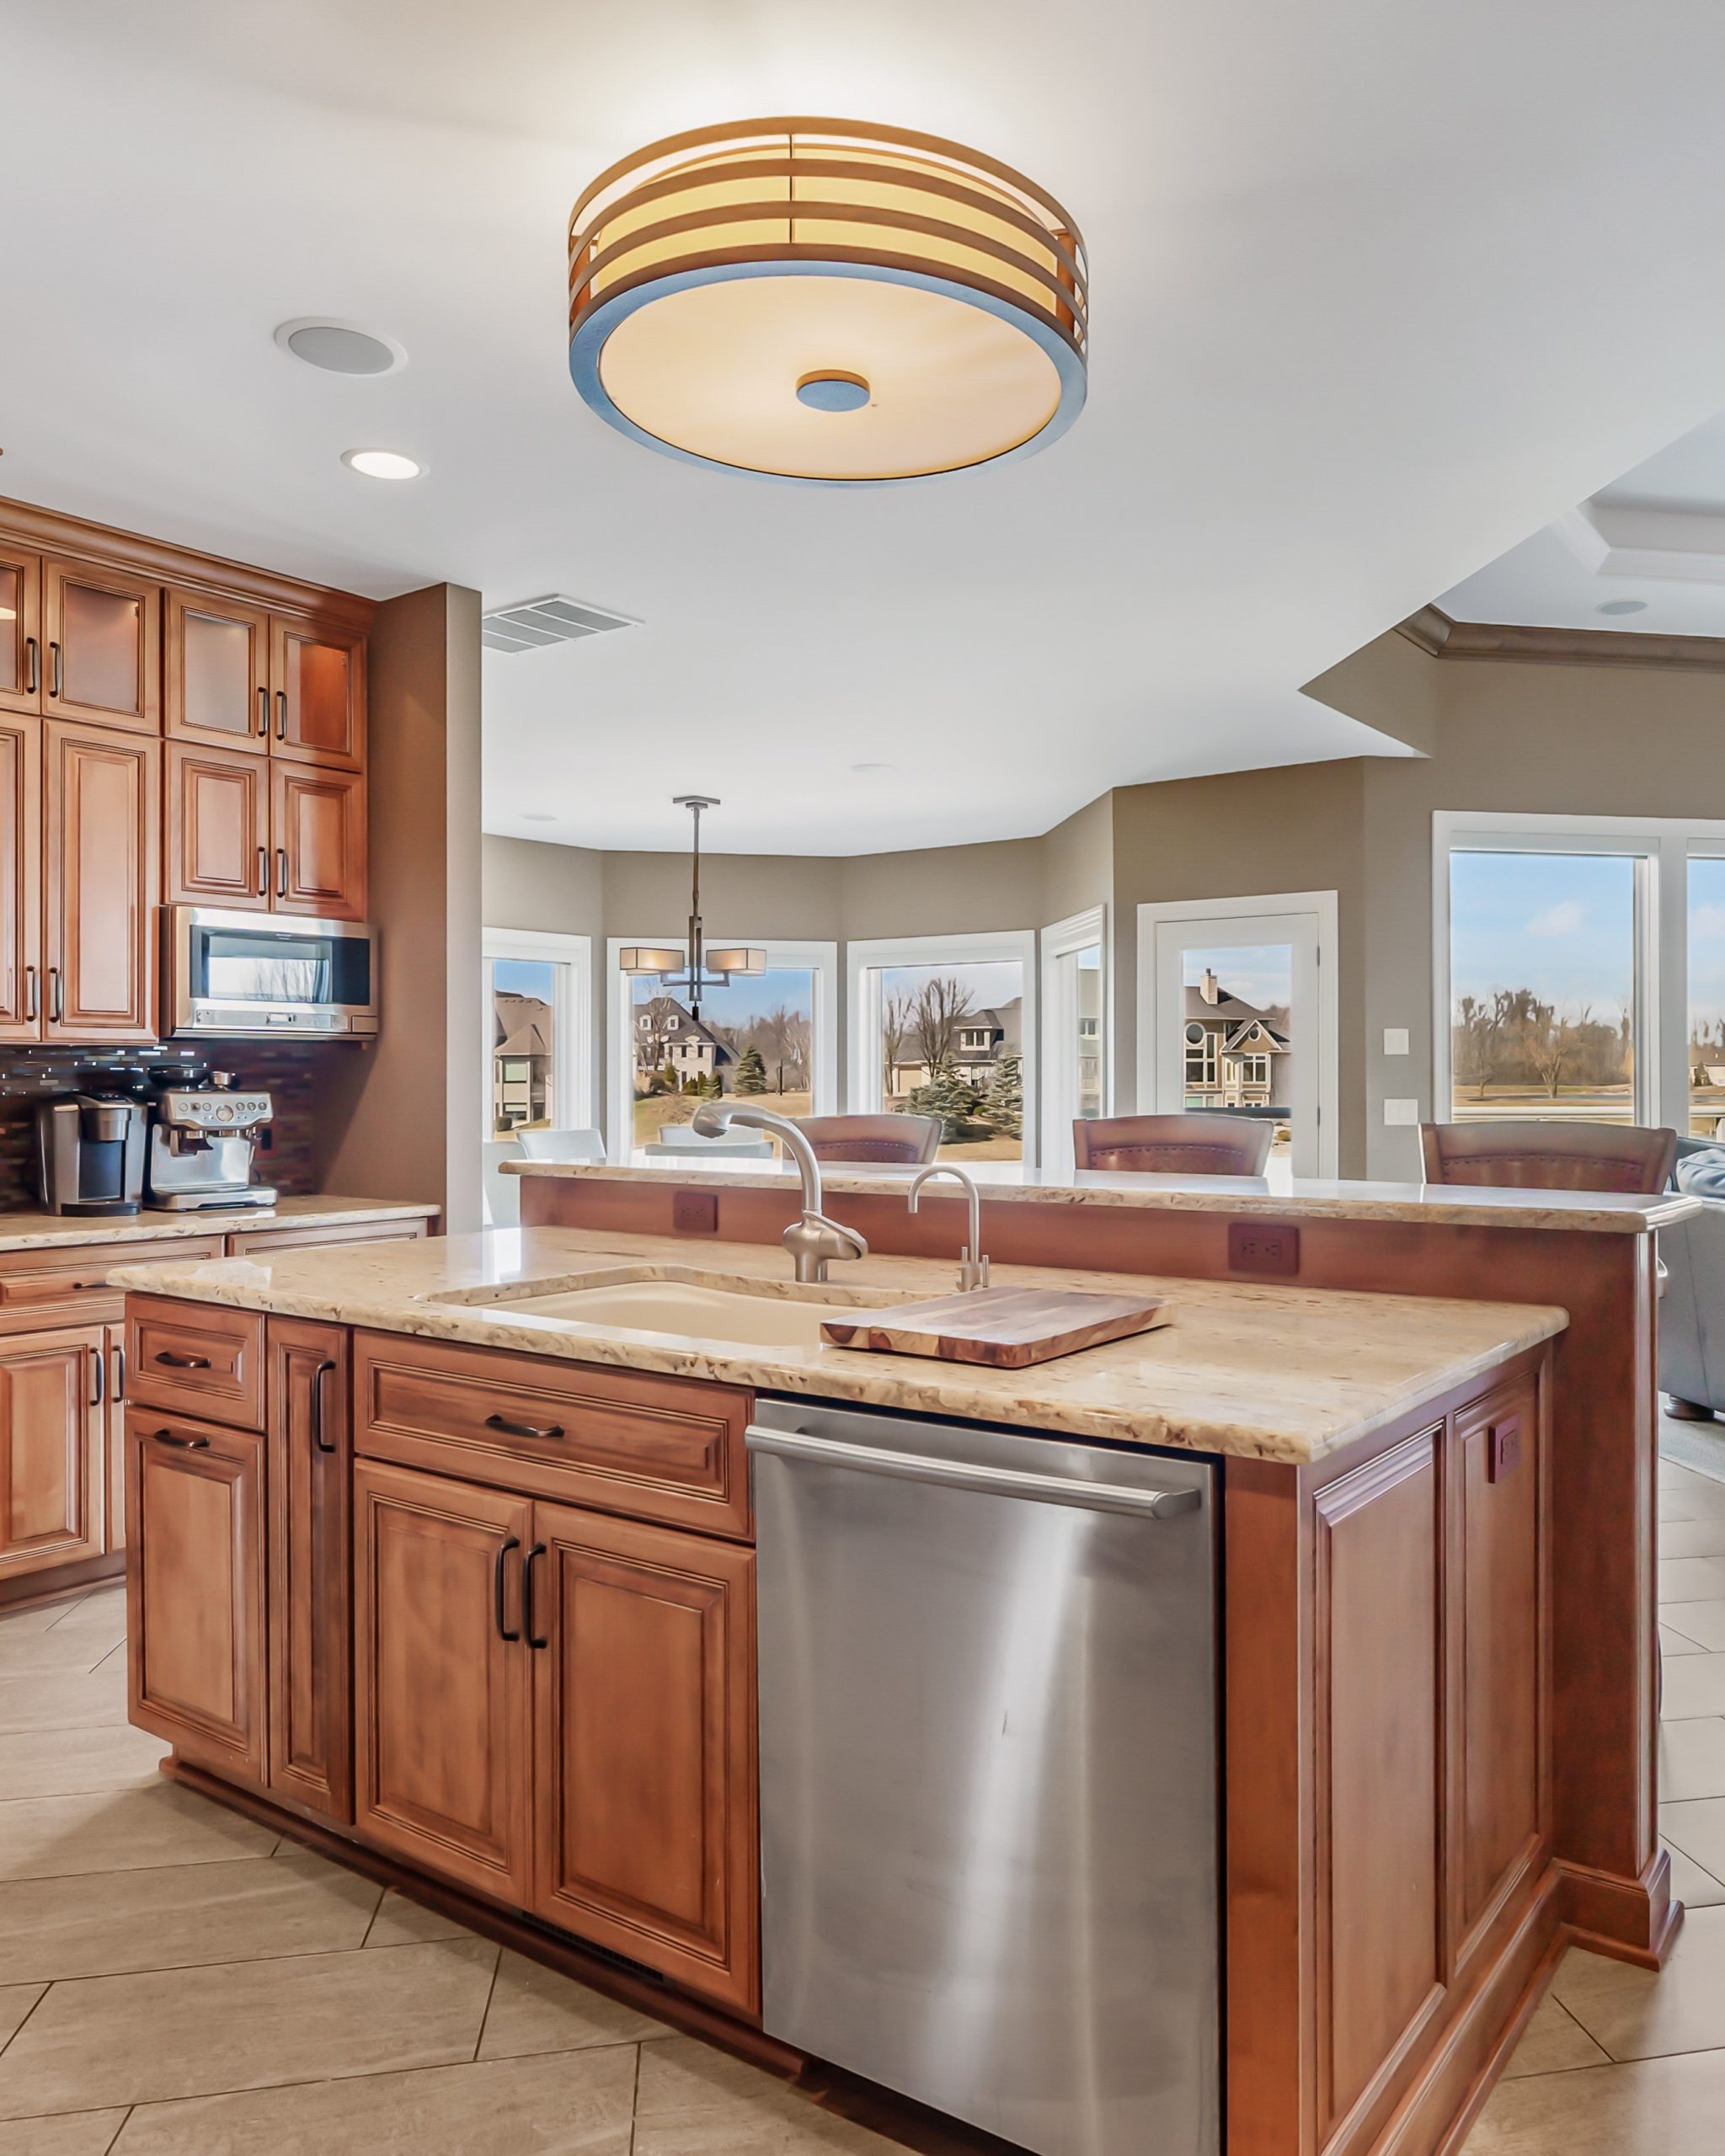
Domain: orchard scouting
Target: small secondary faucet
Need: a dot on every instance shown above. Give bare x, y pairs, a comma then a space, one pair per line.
815, 1240
972, 1267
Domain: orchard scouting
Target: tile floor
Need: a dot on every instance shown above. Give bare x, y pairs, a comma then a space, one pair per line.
175, 1981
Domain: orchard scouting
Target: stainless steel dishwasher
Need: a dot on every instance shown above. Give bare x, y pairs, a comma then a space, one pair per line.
989, 1773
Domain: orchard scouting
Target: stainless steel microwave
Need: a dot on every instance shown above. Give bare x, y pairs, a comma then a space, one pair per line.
227, 972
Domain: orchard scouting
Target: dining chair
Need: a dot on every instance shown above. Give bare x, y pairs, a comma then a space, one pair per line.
1542, 1154
910, 1140
1172, 1144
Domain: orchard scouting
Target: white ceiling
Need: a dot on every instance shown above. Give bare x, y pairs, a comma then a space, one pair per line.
1650, 548
1377, 290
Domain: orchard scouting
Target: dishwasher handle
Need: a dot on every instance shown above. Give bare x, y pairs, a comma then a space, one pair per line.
959, 1475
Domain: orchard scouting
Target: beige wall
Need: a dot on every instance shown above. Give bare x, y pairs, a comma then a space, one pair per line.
402, 1119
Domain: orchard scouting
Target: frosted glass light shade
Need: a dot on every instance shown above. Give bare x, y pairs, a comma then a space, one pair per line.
651, 959
737, 959
730, 289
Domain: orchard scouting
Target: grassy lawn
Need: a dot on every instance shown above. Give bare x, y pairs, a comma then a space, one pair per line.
658, 1109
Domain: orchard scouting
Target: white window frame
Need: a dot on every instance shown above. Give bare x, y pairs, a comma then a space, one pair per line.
1062, 940
865, 962
1660, 847
571, 1044
1251, 907
821, 959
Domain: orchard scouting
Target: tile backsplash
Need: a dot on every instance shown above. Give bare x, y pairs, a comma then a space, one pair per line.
288, 1071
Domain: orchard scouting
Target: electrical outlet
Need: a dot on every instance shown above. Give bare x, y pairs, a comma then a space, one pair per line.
694, 1212
1270, 1248
1504, 1456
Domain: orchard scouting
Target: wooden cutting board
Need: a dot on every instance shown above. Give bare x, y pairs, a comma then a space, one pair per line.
1005, 1328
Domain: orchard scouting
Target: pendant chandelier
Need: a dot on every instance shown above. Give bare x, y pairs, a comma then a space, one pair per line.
695, 971
827, 302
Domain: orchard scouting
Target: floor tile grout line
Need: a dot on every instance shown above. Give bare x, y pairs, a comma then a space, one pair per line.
119, 2130
490, 1993
635, 2101
252, 1962
24, 2024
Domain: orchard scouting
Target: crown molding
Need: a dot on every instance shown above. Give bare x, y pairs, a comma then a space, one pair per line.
1435, 633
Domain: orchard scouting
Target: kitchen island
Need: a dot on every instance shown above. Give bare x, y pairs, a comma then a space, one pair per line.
401, 1432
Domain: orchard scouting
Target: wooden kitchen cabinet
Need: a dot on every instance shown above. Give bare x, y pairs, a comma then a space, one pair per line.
196, 1620
318, 835
218, 825
442, 1678
20, 874
644, 1788
317, 692
102, 638
216, 672
20, 629
53, 1449
309, 1460
101, 855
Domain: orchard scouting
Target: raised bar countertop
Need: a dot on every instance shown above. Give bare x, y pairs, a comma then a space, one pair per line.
48, 1230
1430, 1204
1284, 1374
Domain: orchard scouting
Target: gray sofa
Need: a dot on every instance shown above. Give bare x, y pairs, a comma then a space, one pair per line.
1692, 1310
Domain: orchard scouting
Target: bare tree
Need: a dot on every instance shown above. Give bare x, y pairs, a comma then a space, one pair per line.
1553, 1047
896, 1018
940, 1004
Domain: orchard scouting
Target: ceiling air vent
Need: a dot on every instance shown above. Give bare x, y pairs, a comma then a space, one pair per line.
555, 620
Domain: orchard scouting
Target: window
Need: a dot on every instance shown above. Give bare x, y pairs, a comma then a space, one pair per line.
535, 1032
1579, 968
939, 1026
1200, 1057
1075, 1076
770, 1038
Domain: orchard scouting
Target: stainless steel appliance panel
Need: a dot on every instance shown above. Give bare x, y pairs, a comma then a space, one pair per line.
989, 1773
230, 973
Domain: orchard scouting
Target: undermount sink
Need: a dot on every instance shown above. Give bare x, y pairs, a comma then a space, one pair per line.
682, 1307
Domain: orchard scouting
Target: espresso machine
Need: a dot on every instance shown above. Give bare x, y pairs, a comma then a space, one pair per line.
90, 1152
202, 1139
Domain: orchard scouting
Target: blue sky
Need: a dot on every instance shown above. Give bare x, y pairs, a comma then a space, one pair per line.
793, 986
522, 976
1258, 973
1002, 981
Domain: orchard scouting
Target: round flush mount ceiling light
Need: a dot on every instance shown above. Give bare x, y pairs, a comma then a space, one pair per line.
1621, 607
828, 301
339, 347
381, 463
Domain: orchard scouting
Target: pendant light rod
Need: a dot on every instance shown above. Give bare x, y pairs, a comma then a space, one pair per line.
695, 803
687, 969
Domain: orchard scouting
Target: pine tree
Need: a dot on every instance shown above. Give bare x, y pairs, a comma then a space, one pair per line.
1003, 1103
948, 1096
751, 1071
712, 1087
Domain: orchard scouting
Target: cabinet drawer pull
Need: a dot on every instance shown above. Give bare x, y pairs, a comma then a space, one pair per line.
281, 714
263, 713
32, 999
185, 1444
533, 1638
317, 1377
33, 676
510, 1542
523, 1429
55, 669
182, 1362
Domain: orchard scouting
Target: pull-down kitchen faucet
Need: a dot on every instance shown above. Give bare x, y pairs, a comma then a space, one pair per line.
815, 1240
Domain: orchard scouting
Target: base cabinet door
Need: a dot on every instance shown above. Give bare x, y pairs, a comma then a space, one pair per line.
311, 1751
644, 1774
52, 1467
194, 1588
443, 1681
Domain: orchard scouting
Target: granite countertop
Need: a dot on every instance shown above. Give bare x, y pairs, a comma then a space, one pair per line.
47, 1230
1451, 1205
1284, 1373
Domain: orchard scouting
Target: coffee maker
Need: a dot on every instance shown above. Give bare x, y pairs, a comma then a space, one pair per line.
90, 1153
202, 1139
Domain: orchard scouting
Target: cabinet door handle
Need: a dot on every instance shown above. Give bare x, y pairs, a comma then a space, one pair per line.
182, 1362
533, 1639
57, 994
55, 669
317, 1377
281, 714
98, 1377
32, 675
117, 1390
263, 713
263, 871
522, 1429
32, 999
511, 1542
282, 871
185, 1444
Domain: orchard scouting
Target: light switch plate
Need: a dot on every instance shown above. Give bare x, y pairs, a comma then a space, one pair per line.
1401, 1112
1396, 1040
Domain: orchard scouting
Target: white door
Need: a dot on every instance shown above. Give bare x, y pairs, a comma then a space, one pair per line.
1236, 1013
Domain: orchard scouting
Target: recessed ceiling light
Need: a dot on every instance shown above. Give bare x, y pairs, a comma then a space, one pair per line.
339, 347
1622, 606
381, 463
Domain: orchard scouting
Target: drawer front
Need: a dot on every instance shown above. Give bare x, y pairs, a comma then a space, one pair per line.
57, 1283
652, 1448
195, 1358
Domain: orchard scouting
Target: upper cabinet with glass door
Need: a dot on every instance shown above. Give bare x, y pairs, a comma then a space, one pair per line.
20, 631
218, 672
317, 692
102, 646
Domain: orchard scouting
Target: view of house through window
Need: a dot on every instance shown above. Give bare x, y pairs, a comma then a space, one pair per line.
951, 1044
1543, 987
753, 1039
1707, 996
1238, 1038
523, 998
